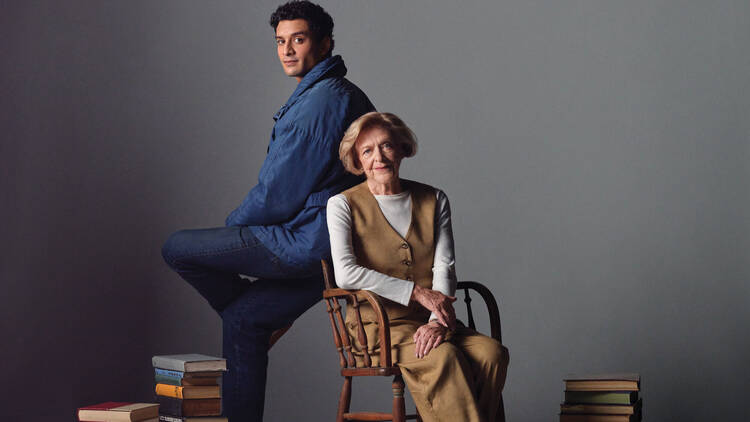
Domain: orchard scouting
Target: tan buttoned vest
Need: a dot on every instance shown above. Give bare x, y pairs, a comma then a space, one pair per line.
378, 246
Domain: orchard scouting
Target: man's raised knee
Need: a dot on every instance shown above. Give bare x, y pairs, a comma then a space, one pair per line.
170, 251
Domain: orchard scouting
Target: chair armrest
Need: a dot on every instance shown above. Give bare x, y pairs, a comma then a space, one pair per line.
384, 333
490, 302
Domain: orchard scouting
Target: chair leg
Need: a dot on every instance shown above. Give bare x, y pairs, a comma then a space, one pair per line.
399, 407
345, 399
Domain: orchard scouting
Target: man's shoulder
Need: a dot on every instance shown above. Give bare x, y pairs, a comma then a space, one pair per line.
331, 104
335, 90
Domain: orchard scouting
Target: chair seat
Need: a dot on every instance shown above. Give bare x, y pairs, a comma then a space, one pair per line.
374, 416
368, 372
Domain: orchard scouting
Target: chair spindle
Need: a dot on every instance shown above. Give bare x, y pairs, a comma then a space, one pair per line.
467, 299
336, 334
361, 334
344, 335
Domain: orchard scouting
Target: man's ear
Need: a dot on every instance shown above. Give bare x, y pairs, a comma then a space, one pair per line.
325, 46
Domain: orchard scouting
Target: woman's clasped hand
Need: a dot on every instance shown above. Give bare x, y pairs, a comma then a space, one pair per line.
438, 303
428, 337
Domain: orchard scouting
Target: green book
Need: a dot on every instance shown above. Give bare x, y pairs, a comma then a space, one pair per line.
163, 379
601, 397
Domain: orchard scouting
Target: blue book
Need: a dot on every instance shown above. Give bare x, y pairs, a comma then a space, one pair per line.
169, 373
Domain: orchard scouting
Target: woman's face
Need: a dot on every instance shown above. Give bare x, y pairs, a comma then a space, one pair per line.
378, 155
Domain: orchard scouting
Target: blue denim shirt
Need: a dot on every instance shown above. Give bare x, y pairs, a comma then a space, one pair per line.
287, 208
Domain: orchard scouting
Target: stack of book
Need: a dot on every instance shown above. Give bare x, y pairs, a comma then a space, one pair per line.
187, 387
113, 411
602, 398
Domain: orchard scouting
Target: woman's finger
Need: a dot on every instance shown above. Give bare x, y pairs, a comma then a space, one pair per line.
423, 350
438, 340
423, 346
417, 339
427, 345
430, 345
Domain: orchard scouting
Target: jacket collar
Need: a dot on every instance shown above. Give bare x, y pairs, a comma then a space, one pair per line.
328, 68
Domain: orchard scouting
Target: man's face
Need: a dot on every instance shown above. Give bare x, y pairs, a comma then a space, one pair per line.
297, 50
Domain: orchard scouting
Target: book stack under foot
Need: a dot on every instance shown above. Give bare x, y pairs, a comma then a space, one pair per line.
188, 387
115, 411
602, 398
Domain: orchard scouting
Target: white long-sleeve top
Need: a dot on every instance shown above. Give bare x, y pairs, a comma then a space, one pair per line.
397, 210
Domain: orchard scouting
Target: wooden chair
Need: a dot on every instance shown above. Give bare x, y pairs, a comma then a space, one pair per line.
348, 363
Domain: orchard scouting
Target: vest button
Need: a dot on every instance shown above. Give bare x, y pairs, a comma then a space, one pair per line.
405, 246
406, 262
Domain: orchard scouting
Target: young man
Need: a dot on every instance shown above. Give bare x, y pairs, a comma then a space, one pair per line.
278, 233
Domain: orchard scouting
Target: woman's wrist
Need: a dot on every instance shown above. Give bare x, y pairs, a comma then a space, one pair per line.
416, 292
435, 323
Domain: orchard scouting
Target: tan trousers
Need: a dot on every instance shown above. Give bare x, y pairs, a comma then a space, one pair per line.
460, 380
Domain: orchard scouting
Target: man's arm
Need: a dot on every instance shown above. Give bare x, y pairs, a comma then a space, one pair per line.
295, 163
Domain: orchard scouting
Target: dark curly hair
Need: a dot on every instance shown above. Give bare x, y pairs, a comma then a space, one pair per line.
319, 21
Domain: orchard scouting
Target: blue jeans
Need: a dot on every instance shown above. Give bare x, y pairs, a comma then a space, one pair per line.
210, 260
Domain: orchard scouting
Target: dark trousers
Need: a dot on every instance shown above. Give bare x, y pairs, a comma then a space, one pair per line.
210, 260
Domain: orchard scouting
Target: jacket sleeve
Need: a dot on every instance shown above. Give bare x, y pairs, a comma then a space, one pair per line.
295, 163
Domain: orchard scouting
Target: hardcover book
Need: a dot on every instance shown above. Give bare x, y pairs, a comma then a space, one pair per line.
187, 381
165, 418
603, 382
118, 412
599, 418
166, 376
601, 409
191, 362
601, 397
181, 374
171, 406
190, 392
144, 420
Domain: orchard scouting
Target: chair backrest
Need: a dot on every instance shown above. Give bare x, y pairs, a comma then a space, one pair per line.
489, 301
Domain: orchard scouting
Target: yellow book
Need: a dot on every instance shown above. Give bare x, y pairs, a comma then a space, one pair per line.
189, 392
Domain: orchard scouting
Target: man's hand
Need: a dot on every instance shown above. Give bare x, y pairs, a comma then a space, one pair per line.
428, 337
437, 303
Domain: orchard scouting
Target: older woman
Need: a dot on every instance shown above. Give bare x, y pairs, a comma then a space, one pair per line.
393, 237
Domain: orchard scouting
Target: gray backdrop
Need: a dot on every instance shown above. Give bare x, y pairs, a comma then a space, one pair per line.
595, 152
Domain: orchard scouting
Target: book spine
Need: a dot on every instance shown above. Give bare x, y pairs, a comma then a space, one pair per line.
168, 363
166, 418
202, 407
169, 373
597, 397
162, 379
169, 391
170, 406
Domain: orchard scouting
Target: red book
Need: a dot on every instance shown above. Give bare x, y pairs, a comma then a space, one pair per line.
115, 411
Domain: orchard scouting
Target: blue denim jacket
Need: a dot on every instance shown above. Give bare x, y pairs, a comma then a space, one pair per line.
287, 208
